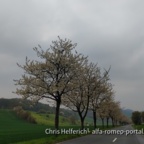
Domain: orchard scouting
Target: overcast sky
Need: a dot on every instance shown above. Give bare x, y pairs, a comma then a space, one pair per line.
110, 32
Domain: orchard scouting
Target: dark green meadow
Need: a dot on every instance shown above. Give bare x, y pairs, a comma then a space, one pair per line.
14, 129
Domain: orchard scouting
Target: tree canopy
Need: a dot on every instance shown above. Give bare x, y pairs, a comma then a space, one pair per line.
66, 77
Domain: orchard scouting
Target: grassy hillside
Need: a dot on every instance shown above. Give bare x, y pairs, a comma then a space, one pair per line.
45, 108
48, 119
14, 129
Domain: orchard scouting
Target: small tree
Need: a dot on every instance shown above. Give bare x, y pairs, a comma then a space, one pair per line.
102, 114
114, 111
102, 90
136, 117
78, 100
53, 76
124, 119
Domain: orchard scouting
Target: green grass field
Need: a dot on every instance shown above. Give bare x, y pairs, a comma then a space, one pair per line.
14, 130
48, 119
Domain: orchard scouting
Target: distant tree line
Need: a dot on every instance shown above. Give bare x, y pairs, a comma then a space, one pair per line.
138, 117
68, 78
26, 104
38, 108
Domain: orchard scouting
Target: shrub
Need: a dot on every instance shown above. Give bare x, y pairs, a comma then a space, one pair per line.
42, 111
24, 114
72, 120
47, 115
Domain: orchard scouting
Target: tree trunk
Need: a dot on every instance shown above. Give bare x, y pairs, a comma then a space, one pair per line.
116, 122
82, 123
58, 102
94, 119
112, 121
103, 122
107, 122
82, 118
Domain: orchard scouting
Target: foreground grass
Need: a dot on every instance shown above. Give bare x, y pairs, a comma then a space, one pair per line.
51, 139
14, 130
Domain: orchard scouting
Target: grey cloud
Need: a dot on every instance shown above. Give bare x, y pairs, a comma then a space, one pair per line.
109, 32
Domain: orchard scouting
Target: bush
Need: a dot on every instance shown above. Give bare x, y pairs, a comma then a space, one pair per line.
72, 120
24, 114
42, 111
47, 115
31, 119
64, 120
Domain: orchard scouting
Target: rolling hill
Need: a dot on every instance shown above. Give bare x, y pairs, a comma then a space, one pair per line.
45, 108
